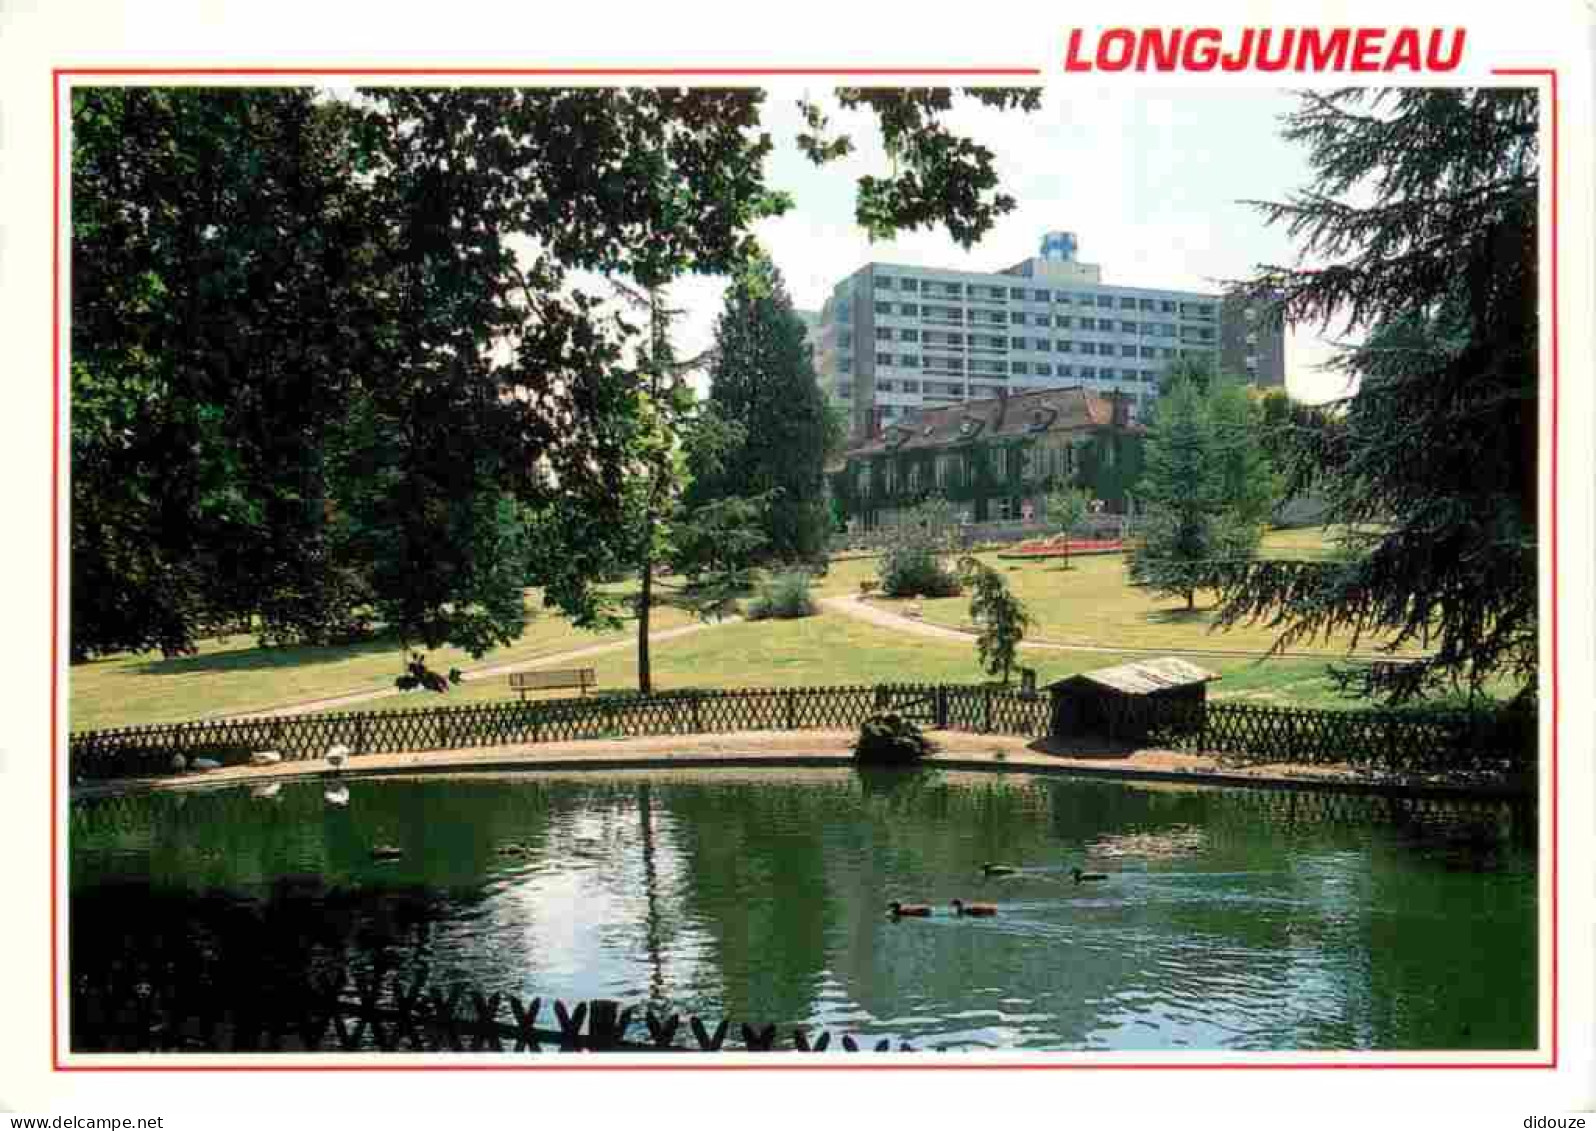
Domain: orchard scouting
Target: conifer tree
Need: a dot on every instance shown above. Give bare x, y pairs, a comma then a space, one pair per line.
1418, 234
763, 379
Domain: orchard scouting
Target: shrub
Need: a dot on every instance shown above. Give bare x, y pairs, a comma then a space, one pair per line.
887, 738
784, 597
911, 563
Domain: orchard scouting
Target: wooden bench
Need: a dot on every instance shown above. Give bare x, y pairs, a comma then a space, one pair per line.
552, 678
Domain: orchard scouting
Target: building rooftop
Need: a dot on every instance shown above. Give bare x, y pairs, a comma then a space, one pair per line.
1144, 677
1071, 408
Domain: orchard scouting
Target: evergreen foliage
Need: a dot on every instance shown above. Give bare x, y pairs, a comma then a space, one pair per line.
1421, 224
1200, 508
1001, 616
762, 378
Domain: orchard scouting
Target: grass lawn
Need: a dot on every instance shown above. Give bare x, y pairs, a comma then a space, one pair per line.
832, 649
233, 675
1090, 603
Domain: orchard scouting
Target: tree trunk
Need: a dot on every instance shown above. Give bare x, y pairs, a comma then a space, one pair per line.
645, 598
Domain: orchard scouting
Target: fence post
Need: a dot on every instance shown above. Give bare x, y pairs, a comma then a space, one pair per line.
787, 716
986, 703
698, 722
942, 706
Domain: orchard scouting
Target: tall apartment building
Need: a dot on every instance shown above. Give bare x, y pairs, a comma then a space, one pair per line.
895, 338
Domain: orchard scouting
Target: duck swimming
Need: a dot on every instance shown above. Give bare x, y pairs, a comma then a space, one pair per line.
916, 910
1087, 877
386, 852
962, 908
998, 869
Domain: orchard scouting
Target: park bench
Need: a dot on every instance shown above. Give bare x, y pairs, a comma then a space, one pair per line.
550, 679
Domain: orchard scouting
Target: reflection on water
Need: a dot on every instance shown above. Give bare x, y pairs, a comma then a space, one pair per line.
1236, 919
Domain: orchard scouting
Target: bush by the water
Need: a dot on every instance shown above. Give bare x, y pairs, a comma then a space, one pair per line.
889, 738
783, 597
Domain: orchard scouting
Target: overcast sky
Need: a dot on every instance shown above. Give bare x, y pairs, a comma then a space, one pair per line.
1150, 182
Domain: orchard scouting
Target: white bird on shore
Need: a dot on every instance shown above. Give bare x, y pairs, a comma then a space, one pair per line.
206, 764
267, 792
337, 755
337, 795
179, 763
265, 758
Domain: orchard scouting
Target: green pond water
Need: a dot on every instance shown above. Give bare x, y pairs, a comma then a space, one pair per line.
1232, 919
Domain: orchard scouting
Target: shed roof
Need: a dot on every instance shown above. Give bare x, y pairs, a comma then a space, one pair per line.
1143, 677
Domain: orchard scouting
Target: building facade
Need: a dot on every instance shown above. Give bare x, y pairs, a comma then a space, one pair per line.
996, 459
894, 340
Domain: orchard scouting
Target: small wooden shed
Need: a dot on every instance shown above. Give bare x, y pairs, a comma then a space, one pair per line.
1124, 702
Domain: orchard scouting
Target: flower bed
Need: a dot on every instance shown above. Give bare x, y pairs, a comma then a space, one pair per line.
1055, 547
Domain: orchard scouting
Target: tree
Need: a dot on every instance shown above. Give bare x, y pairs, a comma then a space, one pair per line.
1248, 483
762, 377
912, 561
1066, 507
1196, 370
1421, 228
324, 351
1001, 615
1189, 523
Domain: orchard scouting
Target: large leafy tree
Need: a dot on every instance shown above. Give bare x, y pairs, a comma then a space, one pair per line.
762, 378
324, 353
1419, 230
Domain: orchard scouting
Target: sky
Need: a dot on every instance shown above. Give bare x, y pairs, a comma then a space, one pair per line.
1151, 183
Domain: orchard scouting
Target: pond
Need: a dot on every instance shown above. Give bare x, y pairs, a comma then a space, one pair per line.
1235, 919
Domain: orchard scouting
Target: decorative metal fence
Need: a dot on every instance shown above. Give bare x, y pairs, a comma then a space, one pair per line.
122, 1010
148, 750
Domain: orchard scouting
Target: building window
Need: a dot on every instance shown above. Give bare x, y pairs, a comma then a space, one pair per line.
1063, 321
1128, 374
1043, 344
910, 386
1088, 347
912, 309
1166, 306
883, 333
909, 335
883, 308
1127, 327
883, 359
862, 481
1041, 295
883, 386
845, 340
909, 284
1043, 369
845, 392
1014, 292
1105, 300
1148, 353
1146, 304
1066, 346
1089, 324
1020, 368
1066, 371
883, 283
908, 361
1017, 317
1017, 343
1127, 351
1167, 353
1089, 371
1149, 377
1127, 303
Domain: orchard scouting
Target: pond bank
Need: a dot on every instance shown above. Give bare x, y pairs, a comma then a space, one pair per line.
957, 750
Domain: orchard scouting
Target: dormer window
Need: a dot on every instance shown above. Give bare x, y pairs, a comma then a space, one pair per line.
969, 427
1041, 418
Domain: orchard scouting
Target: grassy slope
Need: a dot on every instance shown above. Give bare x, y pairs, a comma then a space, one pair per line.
1087, 604
233, 675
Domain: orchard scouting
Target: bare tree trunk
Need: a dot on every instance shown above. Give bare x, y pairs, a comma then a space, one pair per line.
645, 598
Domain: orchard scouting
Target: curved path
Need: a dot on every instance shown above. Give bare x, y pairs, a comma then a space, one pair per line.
860, 609
310, 706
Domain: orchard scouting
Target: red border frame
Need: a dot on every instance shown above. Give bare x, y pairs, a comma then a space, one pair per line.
576, 1064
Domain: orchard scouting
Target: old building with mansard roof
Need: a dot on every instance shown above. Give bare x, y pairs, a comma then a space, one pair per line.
995, 459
